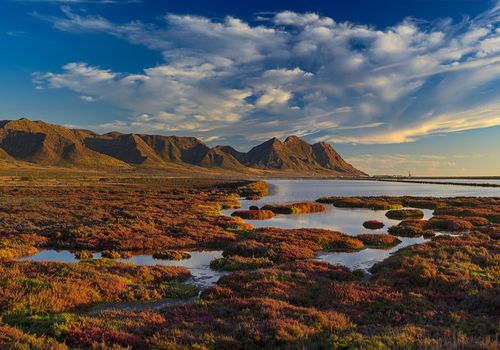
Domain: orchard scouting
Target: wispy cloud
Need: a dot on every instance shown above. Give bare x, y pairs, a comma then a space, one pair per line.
418, 164
297, 73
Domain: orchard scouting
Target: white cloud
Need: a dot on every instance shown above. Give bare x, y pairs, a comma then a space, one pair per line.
87, 98
297, 73
273, 97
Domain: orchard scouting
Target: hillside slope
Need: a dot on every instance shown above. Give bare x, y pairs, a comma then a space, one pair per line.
47, 144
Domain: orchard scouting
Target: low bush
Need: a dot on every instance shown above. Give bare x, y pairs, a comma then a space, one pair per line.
400, 214
373, 224
448, 223
409, 228
38, 288
248, 248
295, 208
171, 255
378, 240
111, 254
477, 220
254, 190
84, 255
314, 239
254, 214
236, 262
374, 203
284, 252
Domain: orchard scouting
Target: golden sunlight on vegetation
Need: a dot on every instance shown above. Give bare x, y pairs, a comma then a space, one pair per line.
438, 295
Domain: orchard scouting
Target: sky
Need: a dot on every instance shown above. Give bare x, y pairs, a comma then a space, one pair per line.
395, 86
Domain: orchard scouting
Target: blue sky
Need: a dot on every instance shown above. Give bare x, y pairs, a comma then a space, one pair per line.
393, 85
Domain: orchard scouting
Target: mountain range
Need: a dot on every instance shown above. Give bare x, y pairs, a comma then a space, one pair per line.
35, 142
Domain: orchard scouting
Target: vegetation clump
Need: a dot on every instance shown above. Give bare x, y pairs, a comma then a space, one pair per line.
126, 214
84, 255
236, 262
400, 214
295, 208
373, 224
374, 203
111, 254
171, 255
437, 295
378, 240
477, 220
254, 190
409, 228
13, 246
38, 288
448, 223
254, 214
489, 212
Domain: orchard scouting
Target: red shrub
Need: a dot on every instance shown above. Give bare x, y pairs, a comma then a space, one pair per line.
373, 224
89, 337
448, 223
378, 240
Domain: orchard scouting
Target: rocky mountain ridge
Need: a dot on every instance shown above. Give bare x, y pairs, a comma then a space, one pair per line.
47, 144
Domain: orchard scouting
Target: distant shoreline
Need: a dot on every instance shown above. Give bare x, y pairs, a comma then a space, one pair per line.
417, 181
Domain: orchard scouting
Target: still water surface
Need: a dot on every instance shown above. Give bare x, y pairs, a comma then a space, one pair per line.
198, 264
339, 219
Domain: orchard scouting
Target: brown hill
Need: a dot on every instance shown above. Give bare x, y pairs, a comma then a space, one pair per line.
177, 149
296, 154
128, 148
190, 150
328, 158
217, 157
5, 159
4, 156
48, 144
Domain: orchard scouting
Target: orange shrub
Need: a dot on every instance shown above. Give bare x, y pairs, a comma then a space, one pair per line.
295, 208
254, 214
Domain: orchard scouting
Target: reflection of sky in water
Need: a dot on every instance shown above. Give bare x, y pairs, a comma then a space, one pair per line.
366, 258
308, 190
55, 255
337, 219
349, 220
199, 263
345, 219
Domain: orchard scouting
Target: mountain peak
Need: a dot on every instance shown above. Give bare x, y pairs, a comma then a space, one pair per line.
48, 144
292, 138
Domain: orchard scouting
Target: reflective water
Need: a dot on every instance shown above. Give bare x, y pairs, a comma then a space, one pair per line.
366, 258
287, 191
345, 220
350, 220
198, 264
283, 191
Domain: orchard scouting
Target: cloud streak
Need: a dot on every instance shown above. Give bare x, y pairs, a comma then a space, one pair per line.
296, 73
